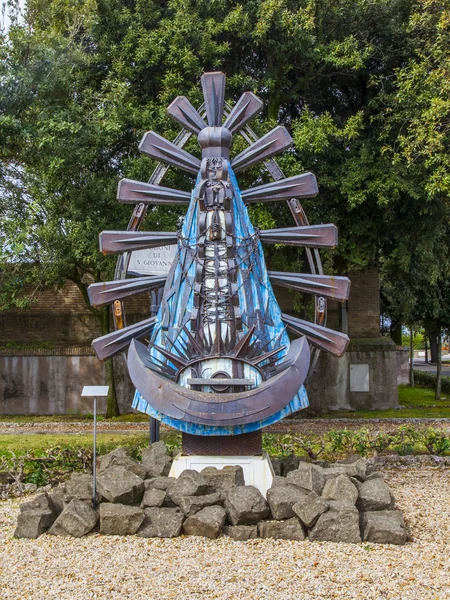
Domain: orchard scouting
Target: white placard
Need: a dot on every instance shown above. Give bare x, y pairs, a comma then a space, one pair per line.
155, 261
97, 391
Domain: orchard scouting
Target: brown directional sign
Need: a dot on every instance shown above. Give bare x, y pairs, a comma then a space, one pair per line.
157, 147
114, 242
112, 343
107, 292
299, 186
132, 192
270, 144
312, 236
327, 339
336, 288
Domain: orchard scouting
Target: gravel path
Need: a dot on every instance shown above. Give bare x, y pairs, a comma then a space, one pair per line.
318, 426
185, 568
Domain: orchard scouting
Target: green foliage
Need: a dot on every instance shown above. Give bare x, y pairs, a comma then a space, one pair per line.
429, 380
418, 340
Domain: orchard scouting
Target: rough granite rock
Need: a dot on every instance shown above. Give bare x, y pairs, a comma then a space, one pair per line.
340, 489
159, 483
241, 533
309, 509
156, 459
308, 477
279, 481
207, 522
282, 499
374, 475
189, 483
374, 494
223, 479
339, 524
384, 527
56, 496
246, 505
276, 466
35, 517
190, 505
77, 519
161, 522
79, 486
289, 464
119, 458
291, 529
153, 497
118, 519
120, 486
355, 466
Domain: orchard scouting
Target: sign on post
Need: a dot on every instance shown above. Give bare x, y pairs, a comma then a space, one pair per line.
92, 391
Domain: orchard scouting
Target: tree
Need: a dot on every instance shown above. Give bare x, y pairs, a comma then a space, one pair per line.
80, 82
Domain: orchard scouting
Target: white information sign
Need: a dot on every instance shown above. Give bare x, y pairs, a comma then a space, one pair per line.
155, 261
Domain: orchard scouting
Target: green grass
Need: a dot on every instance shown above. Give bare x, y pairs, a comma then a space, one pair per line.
72, 418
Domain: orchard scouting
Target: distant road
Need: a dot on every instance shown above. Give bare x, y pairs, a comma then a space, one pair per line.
420, 365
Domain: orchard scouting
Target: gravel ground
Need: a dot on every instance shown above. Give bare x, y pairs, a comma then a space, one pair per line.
302, 426
185, 568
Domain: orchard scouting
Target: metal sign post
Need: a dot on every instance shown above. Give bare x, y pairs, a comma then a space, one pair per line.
94, 391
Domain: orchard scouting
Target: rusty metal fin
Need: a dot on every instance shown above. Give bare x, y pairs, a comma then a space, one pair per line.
182, 111
132, 192
336, 288
112, 343
107, 292
311, 236
335, 342
114, 242
213, 85
270, 144
299, 186
159, 148
247, 107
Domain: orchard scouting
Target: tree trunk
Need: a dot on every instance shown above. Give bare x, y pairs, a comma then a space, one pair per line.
433, 335
396, 333
411, 357
112, 406
439, 368
426, 347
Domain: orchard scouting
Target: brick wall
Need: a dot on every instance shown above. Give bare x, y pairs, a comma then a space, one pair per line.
60, 317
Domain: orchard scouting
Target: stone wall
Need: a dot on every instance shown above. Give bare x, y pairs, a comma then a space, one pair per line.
47, 382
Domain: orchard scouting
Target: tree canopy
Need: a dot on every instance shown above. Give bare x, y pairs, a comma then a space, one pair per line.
362, 86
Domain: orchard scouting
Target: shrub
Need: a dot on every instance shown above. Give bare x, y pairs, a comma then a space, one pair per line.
429, 380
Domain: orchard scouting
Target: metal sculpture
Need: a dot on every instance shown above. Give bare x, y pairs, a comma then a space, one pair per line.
218, 360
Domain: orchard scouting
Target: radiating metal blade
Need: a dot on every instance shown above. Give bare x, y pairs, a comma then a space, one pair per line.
311, 236
336, 288
131, 192
182, 111
114, 242
112, 343
327, 339
213, 85
299, 186
107, 292
270, 144
247, 107
157, 147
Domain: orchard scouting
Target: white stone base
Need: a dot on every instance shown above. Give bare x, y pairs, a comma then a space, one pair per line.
258, 470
